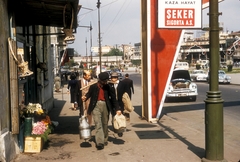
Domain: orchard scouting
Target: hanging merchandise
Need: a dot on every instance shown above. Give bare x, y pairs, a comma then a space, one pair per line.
23, 65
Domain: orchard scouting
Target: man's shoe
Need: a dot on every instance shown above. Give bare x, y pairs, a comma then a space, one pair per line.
120, 134
100, 146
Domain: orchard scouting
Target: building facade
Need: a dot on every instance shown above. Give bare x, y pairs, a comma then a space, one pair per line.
27, 56
194, 49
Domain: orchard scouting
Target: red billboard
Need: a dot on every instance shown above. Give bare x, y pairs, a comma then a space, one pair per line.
162, 48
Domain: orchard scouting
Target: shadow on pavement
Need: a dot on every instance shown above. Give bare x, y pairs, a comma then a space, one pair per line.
200, 152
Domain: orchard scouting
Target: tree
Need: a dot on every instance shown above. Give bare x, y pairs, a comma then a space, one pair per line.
71, 63
114, 52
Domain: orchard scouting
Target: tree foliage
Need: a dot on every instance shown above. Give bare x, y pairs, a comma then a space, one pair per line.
114, 52
71, 63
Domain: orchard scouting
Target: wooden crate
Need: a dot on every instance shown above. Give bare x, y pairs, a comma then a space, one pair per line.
33, 144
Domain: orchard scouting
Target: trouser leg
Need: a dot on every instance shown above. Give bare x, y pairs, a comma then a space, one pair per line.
105, 123
100, 117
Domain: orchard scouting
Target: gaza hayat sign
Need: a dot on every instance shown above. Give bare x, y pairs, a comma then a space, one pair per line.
180, 14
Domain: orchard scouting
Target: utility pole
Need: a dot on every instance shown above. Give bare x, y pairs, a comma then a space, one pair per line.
123, 53
86, 53
116, 54
214, 102
99, 37
91, 41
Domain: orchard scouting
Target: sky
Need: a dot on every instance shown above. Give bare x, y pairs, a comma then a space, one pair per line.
120, 22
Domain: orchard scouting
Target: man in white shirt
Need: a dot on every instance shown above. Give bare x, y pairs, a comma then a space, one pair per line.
120, 88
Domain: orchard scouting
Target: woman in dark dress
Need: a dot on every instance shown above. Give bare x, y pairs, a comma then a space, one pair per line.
73, 87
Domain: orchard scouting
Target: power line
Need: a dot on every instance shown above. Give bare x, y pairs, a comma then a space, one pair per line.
111, 26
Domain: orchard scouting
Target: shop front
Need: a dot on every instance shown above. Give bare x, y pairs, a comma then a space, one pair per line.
26, 30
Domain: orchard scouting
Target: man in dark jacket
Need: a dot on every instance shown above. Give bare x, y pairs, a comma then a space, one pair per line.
120, 89
129, 85
103, 100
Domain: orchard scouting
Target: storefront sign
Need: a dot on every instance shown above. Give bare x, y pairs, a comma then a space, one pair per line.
180, 14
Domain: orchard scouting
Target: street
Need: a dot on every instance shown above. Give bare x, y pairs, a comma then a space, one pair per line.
178, 136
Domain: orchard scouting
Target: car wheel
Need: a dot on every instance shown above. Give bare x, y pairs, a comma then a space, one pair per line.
166, 99
193, 98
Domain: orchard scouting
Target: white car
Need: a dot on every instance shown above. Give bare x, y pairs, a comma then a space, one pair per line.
96, 71
181, 86
199, 75
222, 77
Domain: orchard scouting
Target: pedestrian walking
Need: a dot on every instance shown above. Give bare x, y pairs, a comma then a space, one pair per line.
129, 85
73, 88
84, 87
57, 83
103, 100
120, 88
130, 90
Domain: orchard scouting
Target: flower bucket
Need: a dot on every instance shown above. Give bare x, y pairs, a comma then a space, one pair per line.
28, 126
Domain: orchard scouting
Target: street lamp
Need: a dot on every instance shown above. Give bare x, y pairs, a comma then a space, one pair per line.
99, 37
90, 28
214, 102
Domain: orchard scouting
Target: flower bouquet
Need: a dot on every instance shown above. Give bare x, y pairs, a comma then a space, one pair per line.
41, 125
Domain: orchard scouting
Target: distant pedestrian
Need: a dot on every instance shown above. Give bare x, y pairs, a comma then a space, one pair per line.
73, 87
57, 83
103, 100
129, 85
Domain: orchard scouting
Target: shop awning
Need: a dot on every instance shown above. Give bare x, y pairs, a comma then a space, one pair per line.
56, 13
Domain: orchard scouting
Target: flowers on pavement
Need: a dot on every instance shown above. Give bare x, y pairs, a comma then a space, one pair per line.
42, 124
39, 128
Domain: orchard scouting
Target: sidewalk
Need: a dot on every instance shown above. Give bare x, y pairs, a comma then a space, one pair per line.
168, 140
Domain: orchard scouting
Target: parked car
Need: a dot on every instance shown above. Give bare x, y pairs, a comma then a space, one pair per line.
222, 77
65, 71
199, 75
138, 69
120, 75
109, 73
223, 65
96, 70
181, 86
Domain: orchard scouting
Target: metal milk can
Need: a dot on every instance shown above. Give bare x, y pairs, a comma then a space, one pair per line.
84, 128
75, 104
